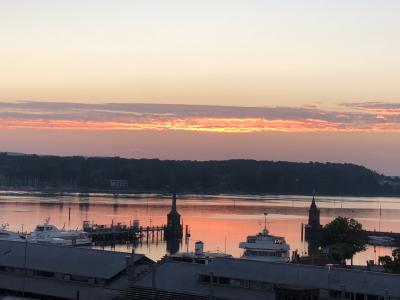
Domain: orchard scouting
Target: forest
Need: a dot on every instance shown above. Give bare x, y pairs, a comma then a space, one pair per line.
206, 177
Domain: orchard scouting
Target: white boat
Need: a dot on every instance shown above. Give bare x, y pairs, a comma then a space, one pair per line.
9, 235
199, 255
380, 240
50, 234
265, 247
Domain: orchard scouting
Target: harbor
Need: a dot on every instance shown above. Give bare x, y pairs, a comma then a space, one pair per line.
202, 273
199, 150
231, 218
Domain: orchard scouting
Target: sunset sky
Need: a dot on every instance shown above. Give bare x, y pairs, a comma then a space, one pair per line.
291, 80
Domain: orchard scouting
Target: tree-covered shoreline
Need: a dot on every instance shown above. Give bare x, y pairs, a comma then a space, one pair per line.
203, 177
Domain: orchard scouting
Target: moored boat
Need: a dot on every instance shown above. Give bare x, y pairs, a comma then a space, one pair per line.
265, 247
48, 233
199, 255
381, 240
8, 235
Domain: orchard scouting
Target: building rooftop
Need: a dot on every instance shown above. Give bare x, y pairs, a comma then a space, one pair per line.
66, 260
334, 278
249, 279
59, 288
182, 277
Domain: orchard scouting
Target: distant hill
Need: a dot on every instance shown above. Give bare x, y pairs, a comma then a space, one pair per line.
152, 175
14, 153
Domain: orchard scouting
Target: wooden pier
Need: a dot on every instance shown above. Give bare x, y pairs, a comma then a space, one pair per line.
134, 232
121, 232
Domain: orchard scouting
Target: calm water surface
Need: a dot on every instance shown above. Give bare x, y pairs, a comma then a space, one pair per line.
220, 222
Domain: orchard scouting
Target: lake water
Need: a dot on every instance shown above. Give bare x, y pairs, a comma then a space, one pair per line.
220, 222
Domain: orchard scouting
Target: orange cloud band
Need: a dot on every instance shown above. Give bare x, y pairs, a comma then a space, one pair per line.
222, 125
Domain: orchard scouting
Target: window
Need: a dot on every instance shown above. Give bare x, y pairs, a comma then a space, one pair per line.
45, 274
224, 280
204, 278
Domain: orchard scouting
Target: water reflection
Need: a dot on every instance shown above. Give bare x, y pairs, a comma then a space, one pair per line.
221, 223
173, 246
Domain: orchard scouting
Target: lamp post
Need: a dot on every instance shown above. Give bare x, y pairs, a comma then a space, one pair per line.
24, 275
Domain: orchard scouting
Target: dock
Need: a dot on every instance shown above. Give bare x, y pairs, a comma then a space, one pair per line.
121, 232
136, 233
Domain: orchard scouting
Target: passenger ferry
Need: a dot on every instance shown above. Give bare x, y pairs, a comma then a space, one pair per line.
265, 247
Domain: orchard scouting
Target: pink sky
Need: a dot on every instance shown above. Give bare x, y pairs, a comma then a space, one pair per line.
361, 133
276, 80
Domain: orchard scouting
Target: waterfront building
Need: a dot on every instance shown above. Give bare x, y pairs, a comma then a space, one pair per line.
174, 228
43, 271
237, 279
51, 272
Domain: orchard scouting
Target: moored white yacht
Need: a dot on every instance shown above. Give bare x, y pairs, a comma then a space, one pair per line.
381, 240
9, 235
265, 247
50, 234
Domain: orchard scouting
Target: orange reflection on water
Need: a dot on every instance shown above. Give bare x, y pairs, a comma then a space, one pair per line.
221, 223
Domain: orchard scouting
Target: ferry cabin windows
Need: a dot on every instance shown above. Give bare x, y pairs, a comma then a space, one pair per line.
265, 253
44, 228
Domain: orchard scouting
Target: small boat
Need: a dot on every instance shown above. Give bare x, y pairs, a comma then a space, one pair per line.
265, 247
380, 240
6, 235
198, 256
50, 234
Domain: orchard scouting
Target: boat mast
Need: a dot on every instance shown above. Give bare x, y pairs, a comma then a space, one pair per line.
265, 221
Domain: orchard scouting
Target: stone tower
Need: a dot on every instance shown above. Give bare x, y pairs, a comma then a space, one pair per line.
313, 229
313, 215
174, 226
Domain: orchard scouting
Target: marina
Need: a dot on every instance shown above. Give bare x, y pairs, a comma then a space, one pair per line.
222, 223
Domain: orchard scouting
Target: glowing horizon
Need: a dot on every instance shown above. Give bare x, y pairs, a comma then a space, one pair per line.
359, 117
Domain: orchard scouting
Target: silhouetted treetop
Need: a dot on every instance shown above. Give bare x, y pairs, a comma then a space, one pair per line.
229, 176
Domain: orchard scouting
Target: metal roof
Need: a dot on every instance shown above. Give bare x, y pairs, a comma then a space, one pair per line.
59, 288
183, 277
66, 260
374, 283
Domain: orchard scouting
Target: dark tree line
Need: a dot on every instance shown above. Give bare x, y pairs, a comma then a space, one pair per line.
230, 176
